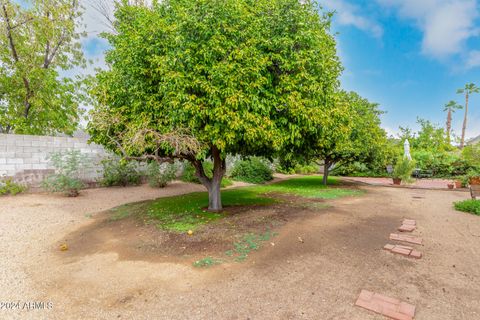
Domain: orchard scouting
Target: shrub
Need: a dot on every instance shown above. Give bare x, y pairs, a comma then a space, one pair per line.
7, 186
472, 206
118, 172
252, 170
68, 168
159, 175
404, 169
306, 168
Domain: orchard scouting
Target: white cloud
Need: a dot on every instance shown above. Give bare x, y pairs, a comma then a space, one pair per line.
347, 14
473, 59
446, 24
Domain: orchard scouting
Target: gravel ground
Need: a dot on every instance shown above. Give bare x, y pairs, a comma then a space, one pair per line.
319, 278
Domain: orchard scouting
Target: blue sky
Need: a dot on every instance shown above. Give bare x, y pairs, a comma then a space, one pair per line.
410, 56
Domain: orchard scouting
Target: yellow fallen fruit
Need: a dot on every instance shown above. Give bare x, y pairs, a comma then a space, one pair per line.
64, 247
190, 232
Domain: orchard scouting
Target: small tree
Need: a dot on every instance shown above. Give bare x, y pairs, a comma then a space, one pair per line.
196, 80
350, 132
69, 167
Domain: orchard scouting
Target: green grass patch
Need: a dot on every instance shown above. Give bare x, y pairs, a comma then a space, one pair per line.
241, 249
187, 212
250, 242
471, 206
308, 187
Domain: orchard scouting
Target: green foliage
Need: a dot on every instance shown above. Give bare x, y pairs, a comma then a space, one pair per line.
118, 172
306, 168
359, 169
159, 175
252, 170
39, 40
403, 169
68, 169
471, 154
239, 76
7, 187
471, 206
350, 132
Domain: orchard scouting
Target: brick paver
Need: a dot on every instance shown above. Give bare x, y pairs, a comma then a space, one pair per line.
389, 307
408, 225
405, 238
403, 250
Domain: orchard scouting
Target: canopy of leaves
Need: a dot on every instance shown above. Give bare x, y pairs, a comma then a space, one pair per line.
246, 76
350, 133
37, 40
430, 137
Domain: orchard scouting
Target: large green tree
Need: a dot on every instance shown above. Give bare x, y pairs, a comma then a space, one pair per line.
38, 40
198, 79
468, 90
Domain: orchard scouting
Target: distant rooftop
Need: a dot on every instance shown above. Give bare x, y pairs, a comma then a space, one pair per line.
474, 140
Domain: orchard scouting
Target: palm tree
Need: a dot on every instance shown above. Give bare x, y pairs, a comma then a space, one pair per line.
470, 88
450, 108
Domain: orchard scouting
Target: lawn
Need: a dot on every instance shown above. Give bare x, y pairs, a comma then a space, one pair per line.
471, 206
188, 212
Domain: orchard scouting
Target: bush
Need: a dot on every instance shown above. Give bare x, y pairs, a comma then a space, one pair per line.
9, 187
404, 169
159, 175
472, 206
252, 170
306, 169
118, 172
68, 168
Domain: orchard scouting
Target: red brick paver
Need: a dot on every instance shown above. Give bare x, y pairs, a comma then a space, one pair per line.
405, 238
389, 307
403, 250
408, 225
406, 228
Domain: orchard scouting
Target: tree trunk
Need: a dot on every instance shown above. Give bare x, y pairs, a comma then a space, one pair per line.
213, 184
449, 124
464, 127
326, 169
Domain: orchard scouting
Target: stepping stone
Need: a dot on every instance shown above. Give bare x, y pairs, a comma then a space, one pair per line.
403, 250
389, 307
405, 238
406, 228
408, 225
409, 222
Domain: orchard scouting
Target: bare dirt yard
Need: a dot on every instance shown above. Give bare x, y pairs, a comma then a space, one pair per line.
323, 255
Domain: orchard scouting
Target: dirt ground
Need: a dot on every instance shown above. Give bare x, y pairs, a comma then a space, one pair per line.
107, 275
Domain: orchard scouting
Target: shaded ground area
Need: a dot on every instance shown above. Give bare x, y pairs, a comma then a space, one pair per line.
319, 277
418, 183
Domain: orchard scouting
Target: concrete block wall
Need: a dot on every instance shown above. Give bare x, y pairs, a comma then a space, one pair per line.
25, 157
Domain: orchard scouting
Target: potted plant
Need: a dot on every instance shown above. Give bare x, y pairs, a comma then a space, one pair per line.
474, 180
458, 184
403, 171
450, 185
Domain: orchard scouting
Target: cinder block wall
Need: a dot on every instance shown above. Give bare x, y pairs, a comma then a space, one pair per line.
25, 158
